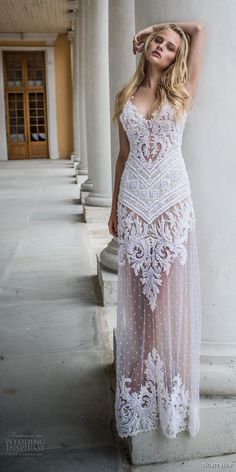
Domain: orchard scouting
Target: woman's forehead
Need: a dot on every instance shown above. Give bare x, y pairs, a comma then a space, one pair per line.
169, 35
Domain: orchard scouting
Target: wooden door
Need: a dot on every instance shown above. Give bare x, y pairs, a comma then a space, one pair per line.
25, 101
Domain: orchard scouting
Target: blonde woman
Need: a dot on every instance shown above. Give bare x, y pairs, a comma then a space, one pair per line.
152, 215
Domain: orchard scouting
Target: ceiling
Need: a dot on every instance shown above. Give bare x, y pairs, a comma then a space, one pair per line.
36, 16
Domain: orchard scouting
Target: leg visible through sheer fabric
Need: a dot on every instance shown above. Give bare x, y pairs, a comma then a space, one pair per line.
158, 350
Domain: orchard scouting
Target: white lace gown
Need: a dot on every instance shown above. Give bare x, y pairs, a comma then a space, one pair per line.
159, 305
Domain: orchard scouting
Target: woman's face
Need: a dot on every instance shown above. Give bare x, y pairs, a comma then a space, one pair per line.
165, 43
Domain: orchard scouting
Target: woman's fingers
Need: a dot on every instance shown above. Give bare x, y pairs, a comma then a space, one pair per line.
138, 44
113, 232
134, 45
137, 49
141, 47
137, 37
112, 225
136, 40
115, 227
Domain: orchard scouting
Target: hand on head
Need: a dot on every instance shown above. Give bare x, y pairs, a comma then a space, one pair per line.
140, 38
138, 43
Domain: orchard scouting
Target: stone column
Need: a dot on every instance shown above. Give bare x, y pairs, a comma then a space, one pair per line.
82, 168
75, 83
122, 64
51, 103
71, 36
97, 104
3, 133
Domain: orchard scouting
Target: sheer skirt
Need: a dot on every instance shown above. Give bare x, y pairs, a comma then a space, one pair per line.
158, 323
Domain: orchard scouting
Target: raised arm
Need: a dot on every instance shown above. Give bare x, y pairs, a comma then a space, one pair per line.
195, 56
196, 31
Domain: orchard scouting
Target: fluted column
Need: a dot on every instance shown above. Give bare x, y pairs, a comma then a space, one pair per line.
97, 103
122, 65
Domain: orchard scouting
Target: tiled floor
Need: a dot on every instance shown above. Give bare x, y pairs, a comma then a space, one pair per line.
53, 351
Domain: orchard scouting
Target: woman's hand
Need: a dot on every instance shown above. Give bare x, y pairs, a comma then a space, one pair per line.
140, 38
112, 223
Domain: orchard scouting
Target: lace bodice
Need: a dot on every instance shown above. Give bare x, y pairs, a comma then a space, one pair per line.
154, 176
152, 138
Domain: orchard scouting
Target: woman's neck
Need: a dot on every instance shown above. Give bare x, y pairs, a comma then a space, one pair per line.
152, 78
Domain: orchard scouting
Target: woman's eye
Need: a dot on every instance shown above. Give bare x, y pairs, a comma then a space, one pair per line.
158, 40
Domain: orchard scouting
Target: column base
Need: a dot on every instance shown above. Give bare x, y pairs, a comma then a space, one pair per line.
218, 368
95, 214
216, 437
98, 200
75, 165
85, 189
109, 255
87, 185
108, 283
80, 180
81, 171
74, 157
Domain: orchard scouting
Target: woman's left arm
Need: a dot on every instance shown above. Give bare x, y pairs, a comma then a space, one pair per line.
195, 54
189, 27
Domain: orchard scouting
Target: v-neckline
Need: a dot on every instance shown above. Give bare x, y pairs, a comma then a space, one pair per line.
139, 113
148, 120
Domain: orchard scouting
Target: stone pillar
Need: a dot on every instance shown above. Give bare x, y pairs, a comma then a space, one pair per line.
97, 104
51, 103
82, 168
3, 133
71, 36
76, 67
122, 64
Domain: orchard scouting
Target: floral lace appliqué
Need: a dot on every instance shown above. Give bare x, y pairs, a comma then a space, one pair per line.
151, 249
153, 404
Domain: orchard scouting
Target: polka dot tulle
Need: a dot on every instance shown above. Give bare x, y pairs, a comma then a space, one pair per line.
158, 289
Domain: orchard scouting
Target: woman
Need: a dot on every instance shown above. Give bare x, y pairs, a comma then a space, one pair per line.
158, 292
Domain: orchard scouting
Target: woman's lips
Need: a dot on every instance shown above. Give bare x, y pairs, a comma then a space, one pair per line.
157, 54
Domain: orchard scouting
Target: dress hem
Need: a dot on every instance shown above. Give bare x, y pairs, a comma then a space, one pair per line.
158, 428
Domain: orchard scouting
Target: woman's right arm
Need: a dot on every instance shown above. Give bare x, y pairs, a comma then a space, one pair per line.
120, 164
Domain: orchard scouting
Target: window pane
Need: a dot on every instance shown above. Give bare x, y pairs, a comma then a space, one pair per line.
37, 116
35, 69
16, 116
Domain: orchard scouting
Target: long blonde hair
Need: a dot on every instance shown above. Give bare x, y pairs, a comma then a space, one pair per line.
172, 83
